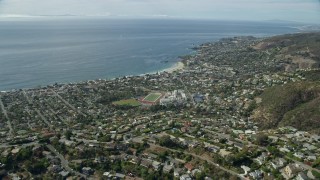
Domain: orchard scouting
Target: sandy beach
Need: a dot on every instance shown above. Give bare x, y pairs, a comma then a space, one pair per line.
177, 66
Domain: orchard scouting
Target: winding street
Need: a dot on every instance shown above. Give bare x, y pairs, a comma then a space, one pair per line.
139, 139
64, 162
6, 115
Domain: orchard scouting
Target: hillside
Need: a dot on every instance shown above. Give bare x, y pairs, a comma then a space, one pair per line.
293, 51
294, 104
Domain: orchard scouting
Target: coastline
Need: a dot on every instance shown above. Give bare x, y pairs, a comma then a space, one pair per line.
69, 67
175, 67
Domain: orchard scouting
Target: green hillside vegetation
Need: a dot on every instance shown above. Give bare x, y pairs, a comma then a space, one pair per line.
294, 104
313, 75
306, 116
294, 43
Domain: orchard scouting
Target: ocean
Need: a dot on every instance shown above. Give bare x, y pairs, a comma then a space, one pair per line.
39, 52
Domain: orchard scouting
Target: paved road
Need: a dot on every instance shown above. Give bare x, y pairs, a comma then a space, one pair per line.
304, 165
7, 117
226, 136
64, 162
202, 158
68, 104
37, 110
139, 140
44, 119
6, 145
26, 96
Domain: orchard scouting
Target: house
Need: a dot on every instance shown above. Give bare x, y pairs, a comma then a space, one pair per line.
146, 163
302, 176
152, 156
55, 161
110, 147
195, 171
224, 153
66, 142
185, 177
193, 144
119, 176
115, 158
257, 174
246, 169
156, 165
114, 176
273, 138
299, 155
237, 132
261, 159
315, 137
278, 163
291, 170
167, 167
284, 150
100, 159
80, 147
134, 159
56, 168
249, 132
87, 171
310, 175
198, 98
242, 136
309, 146
177, 172
312, 157
238, 145
64, 174
214, 149
189, 167
106, 174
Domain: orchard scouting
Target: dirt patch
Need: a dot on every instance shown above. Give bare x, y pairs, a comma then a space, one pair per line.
303, 62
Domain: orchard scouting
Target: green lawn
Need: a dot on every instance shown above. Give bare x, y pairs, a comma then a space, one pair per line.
127, 102
152, 97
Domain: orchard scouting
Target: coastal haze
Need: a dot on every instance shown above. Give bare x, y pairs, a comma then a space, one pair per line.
39, 52
237, 95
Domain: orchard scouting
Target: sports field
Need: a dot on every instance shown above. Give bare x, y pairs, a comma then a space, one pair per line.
152, 97
127, 102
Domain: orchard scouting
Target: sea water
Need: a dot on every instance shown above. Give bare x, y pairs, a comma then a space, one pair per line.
39, 52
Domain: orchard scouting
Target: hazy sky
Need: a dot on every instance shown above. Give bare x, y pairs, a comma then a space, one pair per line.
293, 10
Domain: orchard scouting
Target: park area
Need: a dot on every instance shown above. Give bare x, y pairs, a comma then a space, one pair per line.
127, 102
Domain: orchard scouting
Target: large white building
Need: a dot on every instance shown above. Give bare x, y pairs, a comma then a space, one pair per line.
174, 97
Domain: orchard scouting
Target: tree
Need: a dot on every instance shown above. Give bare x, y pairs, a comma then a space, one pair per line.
167, 142
116, 166
105, 138
316, 163
273, 150
163, 156
68, 134
38, 167
24, 153
262, 139
200, 176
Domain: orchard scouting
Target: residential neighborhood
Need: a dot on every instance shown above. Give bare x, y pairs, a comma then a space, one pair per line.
193, 123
